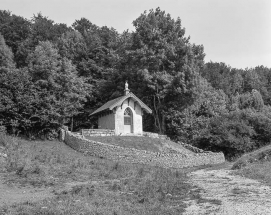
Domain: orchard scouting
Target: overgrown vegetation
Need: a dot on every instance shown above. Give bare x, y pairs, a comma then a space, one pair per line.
255, 165
88, 185
53, 75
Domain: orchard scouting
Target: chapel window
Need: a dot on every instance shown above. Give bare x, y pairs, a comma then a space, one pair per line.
127, 116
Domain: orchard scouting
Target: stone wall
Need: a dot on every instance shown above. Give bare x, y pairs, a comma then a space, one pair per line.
155, 135
192, 148
97, 132
130, 155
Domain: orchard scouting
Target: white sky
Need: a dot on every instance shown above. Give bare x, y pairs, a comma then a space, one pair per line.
237, 32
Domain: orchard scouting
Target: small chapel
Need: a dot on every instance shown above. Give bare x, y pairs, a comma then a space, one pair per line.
123, 114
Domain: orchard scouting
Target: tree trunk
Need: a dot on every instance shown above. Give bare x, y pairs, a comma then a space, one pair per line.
72, 124
158, 118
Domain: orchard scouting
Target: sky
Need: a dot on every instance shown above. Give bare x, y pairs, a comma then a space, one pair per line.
236, 32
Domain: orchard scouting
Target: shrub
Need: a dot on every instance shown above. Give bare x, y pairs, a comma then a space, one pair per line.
261, 123
3, 129
230, 133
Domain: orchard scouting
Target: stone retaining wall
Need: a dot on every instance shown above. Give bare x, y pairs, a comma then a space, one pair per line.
155, 135
108, 132
97, 132
130, 155
192, 148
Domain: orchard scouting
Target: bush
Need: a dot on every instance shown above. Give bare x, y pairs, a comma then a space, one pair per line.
230, 133
3, 129
236, 133
261, 123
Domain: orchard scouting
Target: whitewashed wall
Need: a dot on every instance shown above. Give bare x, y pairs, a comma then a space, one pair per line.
107, 122
116, 121
137, 117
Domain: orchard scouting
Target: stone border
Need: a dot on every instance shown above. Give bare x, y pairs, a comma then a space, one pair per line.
108, 132
130, 155
97, 132
192, 148
155, 135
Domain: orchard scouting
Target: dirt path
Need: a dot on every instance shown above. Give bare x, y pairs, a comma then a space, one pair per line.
12, 194
228, 194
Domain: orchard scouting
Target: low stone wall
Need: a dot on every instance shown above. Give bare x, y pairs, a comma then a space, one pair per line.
192, 148
155, 135
130, 155
97, 132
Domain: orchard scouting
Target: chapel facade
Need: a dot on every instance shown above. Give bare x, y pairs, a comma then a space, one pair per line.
123, 114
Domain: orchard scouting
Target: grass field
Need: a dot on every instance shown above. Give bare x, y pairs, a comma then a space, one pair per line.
255, 165
81, 184
143, 143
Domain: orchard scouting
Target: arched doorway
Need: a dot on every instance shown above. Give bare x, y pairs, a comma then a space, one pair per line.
128, 121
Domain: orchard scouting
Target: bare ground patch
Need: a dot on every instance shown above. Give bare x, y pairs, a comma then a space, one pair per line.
229, 194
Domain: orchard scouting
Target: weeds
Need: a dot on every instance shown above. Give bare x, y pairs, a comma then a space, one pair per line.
111, 188
255, 165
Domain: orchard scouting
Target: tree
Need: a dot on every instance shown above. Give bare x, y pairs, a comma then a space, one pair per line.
19, 101
251, 100
72, 45
84, 25
6, 55
15, 29
164, 61
191, 123
63, 93
43, 29
222, 77
230, 133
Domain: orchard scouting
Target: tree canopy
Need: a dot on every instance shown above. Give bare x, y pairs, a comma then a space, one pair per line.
52, 74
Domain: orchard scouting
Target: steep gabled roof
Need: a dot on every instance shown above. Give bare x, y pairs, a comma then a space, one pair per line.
118, 101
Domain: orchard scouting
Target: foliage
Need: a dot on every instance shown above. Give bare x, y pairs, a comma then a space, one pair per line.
15, 30
250, 100
188, 124
163, 61
19, 101
236, 132
6, 55
230, 133
61, 90
52, 74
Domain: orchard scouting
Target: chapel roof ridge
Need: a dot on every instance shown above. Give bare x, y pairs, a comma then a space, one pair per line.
118, 101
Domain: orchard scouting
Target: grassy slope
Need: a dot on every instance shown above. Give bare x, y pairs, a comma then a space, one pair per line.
143, 143
256, 165
108, 188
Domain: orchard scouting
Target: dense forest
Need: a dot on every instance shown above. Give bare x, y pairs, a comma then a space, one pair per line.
53, 75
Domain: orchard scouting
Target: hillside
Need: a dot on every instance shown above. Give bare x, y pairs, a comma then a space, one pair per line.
48, 177
255, 165
143, 143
